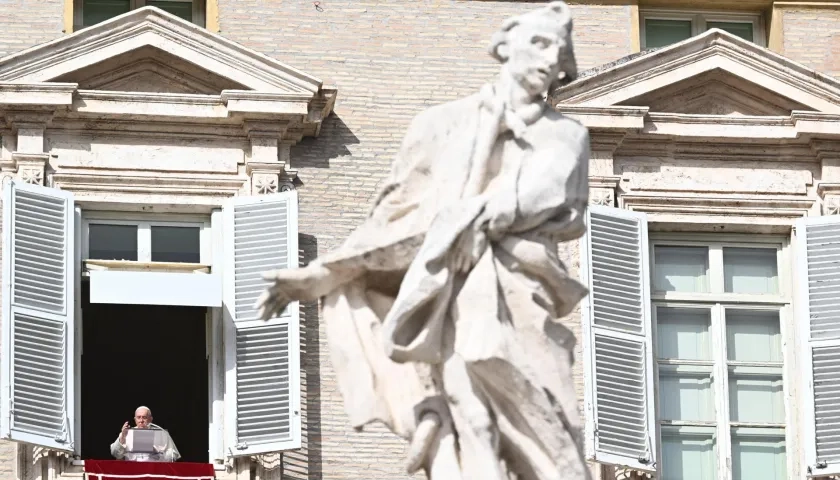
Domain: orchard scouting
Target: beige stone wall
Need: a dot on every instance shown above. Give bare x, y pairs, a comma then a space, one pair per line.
811, 36
24, 23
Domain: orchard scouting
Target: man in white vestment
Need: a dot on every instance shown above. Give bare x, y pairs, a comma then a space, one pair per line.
165, 451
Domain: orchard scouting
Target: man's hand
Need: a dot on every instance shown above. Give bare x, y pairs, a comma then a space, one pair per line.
124, 432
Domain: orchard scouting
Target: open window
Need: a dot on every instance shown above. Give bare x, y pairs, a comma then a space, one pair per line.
818, 249
38, 399
47, 312
149, 260
262, 358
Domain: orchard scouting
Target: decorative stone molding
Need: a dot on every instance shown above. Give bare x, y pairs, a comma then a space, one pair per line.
601, 196
630, 474
265, 183
30, 167
829, 198
720, 213
267, 164
269, 466
602, 190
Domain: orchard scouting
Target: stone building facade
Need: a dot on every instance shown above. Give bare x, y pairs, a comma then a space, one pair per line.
708, 144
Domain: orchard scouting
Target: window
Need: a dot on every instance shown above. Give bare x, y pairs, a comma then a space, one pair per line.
688, 350
660, 28
91, 12
689, 356
146, 240
718, 310
48, 316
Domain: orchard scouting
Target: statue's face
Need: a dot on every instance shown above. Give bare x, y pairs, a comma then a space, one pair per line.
533, 52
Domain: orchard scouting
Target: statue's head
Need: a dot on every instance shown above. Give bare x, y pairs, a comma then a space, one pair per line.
535, 48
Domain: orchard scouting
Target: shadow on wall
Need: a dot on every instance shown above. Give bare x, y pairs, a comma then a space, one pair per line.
316, 152
305, 464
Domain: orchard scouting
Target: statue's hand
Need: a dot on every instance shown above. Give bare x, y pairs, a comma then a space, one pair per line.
275, 298
468, 248
498, 215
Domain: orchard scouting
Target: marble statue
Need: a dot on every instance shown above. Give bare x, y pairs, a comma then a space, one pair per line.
442, 308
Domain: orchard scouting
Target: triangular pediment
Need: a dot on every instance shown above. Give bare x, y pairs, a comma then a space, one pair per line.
716, 92
149, 69
149, 50
714, 73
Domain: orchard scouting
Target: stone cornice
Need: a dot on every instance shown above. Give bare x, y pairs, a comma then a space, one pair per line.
150, 183
711, 50
620, 118
604, 181
826, 188
770, 208
629, 119
37, 94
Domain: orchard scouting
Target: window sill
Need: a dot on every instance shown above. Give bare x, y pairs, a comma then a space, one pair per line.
130, 266
216, 466
155, 287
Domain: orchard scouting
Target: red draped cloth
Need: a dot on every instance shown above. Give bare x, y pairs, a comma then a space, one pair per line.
119, 470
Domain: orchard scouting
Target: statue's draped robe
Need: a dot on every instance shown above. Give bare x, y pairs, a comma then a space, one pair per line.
388, 346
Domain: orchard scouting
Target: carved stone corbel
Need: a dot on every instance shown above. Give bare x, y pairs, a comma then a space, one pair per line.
828, 154
602, 190
267, 163
829, 198
602, 145
29, 127
30, 167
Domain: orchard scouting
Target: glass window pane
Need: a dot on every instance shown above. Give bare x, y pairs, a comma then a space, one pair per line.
688, 457
681, 269
753, 336
112, 242
758, 457
756, 398
179, 9
687, 397
176, 244
739, 29
750, 270
95, 11
659, 33
683, 333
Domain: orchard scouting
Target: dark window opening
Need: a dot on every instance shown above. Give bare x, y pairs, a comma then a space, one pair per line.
144, 355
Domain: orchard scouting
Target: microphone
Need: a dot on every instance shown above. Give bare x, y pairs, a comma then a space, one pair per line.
155, 427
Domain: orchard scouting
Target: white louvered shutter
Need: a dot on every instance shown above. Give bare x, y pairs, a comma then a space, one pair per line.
618, 357
38, 355
263, 357
818, 302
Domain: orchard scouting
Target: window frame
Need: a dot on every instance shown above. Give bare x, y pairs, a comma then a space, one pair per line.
699, 19
144, 223
199, 10
717, 302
